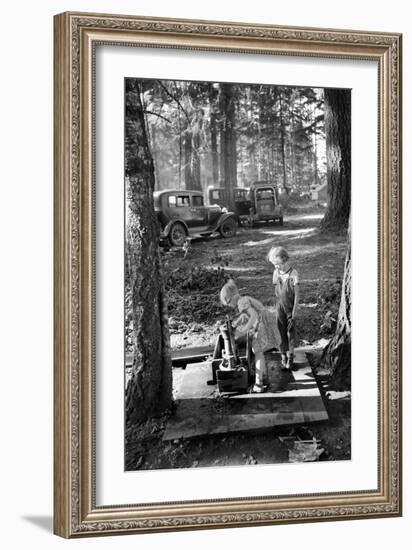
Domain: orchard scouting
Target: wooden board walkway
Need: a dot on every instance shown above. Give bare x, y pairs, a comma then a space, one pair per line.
182, 356
291, 398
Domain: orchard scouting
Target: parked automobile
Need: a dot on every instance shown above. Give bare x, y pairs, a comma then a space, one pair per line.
221, 196
256, 203
265, 203
183, 214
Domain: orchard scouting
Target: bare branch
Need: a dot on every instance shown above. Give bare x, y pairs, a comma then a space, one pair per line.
157, 114
174, 99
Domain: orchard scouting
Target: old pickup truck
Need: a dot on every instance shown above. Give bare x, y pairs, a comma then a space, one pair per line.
257, 203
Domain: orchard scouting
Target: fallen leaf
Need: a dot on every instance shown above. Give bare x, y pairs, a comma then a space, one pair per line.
305, 452
334, 395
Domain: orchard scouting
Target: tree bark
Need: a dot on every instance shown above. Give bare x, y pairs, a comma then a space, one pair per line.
338, 151
283, 147
153, 146
315, 161
315, 148
149, 389
196, 179
228, 161
192, 160
213, 146
213, 135
188, 146
337, 355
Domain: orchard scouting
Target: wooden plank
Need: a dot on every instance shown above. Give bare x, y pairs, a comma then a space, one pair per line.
192, 418
256, 422
186, 355
194, 427
293, 397
191, 354
194, 382
205, 417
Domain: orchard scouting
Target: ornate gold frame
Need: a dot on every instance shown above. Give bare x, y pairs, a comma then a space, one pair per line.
75, 511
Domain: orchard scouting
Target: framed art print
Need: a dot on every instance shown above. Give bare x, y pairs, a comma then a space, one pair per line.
227, 274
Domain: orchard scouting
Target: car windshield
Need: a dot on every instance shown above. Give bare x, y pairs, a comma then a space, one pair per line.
240, 194
264, 194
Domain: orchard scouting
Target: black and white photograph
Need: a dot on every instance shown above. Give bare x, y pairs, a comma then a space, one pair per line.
237, 274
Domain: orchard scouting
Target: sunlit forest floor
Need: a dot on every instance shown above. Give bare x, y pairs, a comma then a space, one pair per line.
193, 280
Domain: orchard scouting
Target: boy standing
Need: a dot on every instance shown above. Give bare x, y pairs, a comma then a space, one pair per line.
286, 282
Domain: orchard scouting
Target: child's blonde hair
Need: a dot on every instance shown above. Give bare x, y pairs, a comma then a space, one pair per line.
277, 252
228, 291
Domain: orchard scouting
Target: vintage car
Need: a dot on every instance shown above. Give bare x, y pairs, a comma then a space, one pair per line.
265, 203
256, 203
221, 196
183, 214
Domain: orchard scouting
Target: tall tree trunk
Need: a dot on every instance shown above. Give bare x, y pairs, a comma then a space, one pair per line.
315, 150
149, 389
315, 160
337, 355
153, 148
293, 145
196, 180
179, 118
188, 146
213, 136
259, 139
338, 150
228, 163
283, 147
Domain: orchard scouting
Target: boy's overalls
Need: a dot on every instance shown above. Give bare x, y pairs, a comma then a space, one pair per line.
285, 300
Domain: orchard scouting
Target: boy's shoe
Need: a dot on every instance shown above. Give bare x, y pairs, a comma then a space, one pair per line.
284, 362
257, 388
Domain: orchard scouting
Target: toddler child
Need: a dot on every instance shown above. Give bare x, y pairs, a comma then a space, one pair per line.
257, 321
286, 281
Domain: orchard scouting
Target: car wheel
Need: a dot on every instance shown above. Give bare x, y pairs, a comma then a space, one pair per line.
228, 228
177, 234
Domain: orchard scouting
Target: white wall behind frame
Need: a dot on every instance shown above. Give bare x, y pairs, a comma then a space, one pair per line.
26, 274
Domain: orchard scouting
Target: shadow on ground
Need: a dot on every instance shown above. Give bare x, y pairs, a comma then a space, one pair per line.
43, 522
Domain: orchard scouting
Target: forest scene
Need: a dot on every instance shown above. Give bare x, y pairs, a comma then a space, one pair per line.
219, 179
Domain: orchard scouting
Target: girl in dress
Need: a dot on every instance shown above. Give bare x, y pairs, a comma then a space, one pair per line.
259, 322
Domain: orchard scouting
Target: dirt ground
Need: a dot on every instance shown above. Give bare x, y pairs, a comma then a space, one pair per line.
196, 276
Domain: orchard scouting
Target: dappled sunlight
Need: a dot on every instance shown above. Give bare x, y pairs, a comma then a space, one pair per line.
242, 269
263, 242
312, 250
277, 234
289, 232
